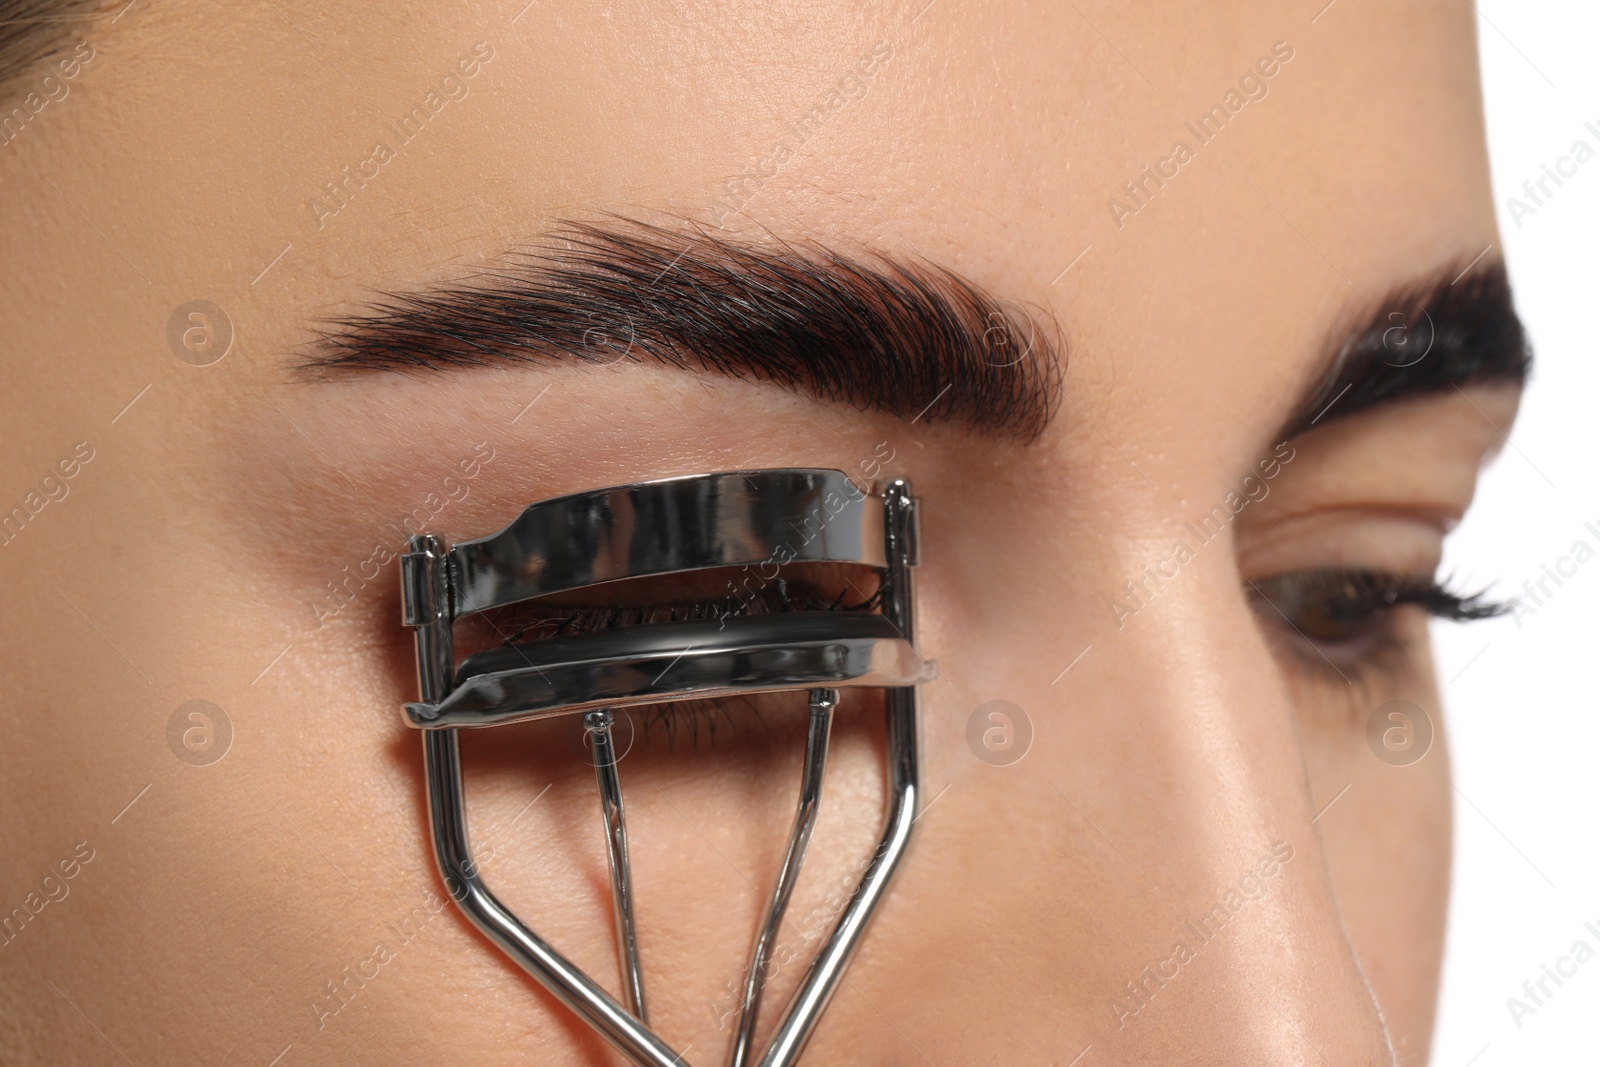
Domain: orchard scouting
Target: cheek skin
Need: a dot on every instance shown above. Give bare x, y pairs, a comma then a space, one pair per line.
1387, 839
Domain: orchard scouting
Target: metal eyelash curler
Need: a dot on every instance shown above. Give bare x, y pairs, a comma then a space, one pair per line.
736, 519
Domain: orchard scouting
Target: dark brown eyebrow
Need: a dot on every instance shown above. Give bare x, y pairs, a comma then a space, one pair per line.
32, 31
913, 340
1430, 336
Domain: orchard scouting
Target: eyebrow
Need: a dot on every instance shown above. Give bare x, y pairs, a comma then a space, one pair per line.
910, 339
1429, 336
32, 31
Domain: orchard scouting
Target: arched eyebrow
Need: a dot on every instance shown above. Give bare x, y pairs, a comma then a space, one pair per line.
33, 31
1431, 335
912, 340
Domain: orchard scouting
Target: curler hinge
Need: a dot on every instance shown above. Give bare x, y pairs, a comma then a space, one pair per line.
424, 582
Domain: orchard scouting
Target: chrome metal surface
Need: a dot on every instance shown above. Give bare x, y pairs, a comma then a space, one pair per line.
734, 519
447, 815
598, 724
750, 518
425, 598
823, 701
568, 984
674, 661
822, 977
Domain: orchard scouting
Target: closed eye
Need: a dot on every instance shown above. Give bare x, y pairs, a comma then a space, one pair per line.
1343, 620
694, 596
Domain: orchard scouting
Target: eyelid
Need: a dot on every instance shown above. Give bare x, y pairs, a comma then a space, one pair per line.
1389, 540
1416, 462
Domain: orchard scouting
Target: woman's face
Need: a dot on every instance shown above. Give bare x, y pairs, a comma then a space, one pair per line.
1219, 846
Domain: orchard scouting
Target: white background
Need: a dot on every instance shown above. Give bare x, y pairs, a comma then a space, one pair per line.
1524, 700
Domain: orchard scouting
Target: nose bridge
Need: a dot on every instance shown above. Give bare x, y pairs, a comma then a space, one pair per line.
1171, 740
1240, 864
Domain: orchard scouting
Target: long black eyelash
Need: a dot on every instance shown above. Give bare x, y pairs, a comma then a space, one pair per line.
1379, 589
533, 622
1360, 600
536, 623
691, 715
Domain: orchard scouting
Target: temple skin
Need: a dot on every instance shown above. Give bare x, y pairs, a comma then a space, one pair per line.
281, 901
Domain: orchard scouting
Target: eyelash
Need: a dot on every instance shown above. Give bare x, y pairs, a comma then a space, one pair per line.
1338, 621
536, 622
697, 719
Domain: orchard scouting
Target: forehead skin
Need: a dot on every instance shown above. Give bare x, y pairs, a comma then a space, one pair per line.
989, 139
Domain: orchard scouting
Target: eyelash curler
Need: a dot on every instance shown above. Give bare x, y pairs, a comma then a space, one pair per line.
750, 519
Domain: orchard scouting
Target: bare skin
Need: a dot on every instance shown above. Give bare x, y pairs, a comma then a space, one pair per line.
1185, 748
